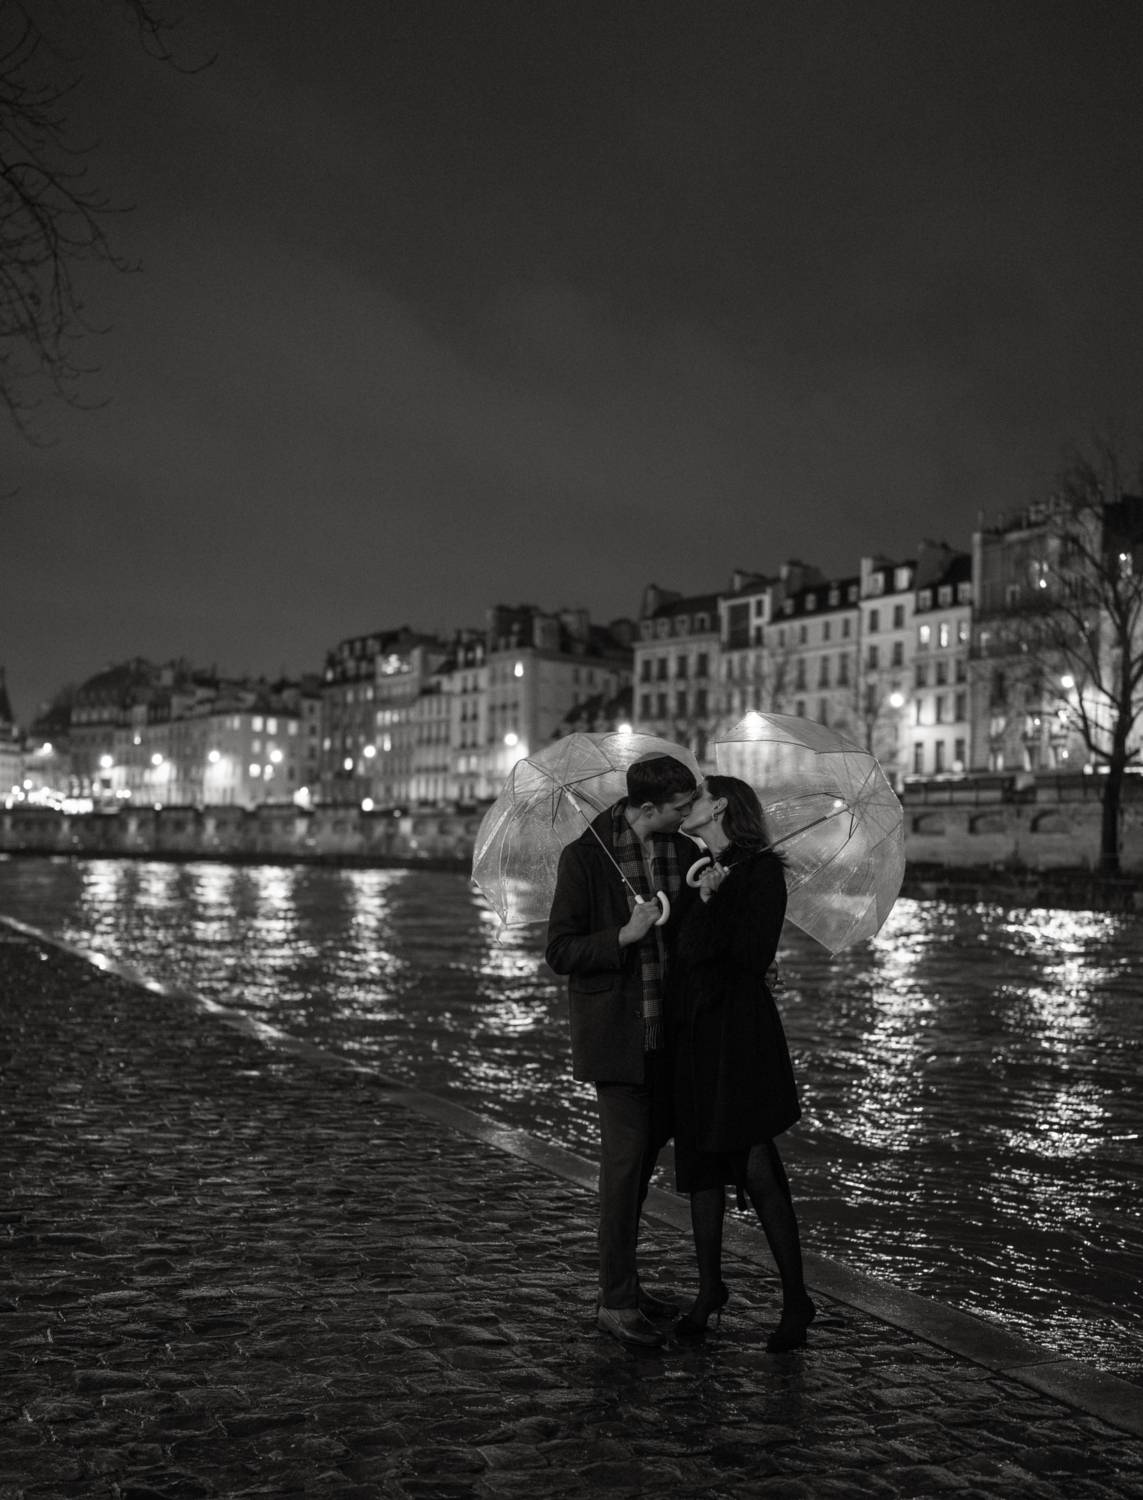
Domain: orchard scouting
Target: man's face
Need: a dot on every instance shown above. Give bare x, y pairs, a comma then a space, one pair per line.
668, 816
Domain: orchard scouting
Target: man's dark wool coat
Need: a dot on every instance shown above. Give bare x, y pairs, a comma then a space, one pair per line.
605, 982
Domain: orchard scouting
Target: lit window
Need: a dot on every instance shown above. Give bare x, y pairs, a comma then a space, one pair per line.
256, 722
255, 770
943, 633
276, 757
347, 763
214, 757
156, 759
271, 726
924, 636
518, 669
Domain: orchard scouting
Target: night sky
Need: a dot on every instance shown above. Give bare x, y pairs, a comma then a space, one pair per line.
447, 304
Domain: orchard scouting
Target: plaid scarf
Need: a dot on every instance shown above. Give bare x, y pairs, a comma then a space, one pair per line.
665, 876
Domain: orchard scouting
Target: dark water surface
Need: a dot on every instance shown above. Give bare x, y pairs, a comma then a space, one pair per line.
970, 1079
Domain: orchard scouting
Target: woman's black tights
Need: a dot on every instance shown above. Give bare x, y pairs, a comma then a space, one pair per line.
768, 1189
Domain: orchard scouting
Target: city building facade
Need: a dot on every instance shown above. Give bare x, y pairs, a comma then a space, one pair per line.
940, 716
677, 664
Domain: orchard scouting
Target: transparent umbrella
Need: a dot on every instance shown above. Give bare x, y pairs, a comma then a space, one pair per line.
549, 799
837, 822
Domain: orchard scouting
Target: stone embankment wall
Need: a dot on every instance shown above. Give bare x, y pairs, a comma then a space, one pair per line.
1046, 824
341, 834
985, 828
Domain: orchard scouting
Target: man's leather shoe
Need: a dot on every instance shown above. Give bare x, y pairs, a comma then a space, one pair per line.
655, 1307
629, 1326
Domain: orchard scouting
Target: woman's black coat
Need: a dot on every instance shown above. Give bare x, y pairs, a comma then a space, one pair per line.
734, 1084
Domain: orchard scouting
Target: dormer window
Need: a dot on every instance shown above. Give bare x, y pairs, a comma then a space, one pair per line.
964, 593
646, 630
664, 627
701, 623
945, 595
834, 598
811, 601
925, 599
787, 606
877, 583
901, 580
682, 624
851, 594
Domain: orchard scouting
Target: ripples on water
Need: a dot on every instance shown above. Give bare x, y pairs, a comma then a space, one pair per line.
970, 1079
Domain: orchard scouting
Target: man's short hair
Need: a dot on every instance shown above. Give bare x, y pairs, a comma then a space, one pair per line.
657, 778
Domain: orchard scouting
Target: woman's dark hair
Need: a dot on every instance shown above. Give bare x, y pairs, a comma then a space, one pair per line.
657, 779
743, 821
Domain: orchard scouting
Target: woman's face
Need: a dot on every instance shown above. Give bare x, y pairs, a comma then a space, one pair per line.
702, 813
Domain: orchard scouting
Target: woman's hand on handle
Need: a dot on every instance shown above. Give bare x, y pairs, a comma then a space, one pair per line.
710, 880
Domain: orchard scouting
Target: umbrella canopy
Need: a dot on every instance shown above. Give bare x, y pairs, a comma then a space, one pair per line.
550, 799
838, 822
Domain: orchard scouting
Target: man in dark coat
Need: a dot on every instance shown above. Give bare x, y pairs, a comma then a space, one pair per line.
616, 959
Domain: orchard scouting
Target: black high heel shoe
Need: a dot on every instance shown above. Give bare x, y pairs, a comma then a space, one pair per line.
689, 1327
791, 1330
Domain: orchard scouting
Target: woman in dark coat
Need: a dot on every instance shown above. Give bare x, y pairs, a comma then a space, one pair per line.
734, 1085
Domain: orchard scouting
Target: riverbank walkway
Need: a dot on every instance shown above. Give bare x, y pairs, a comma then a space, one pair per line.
234, 1268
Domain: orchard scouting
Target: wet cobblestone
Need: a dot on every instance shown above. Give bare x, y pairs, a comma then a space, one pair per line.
229, 1273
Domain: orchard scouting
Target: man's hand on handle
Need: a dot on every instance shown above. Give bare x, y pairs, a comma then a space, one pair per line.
642, 919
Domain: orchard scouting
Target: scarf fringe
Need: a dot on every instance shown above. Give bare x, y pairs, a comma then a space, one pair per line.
653, 1034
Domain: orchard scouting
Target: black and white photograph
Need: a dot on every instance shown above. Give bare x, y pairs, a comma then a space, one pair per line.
571, 750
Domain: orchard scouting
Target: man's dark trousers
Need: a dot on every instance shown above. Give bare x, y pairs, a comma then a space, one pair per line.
631, 1137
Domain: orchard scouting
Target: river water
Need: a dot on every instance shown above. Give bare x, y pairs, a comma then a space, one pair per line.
970, 1080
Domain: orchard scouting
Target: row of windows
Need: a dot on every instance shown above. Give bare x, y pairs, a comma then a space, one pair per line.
940, 672
661, 667
940, 761
947, 708
943, 636
682, 626
657, 705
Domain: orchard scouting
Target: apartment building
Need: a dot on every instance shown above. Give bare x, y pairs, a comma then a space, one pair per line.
677, 660
880, 708
538, 669
812, 644
939, 729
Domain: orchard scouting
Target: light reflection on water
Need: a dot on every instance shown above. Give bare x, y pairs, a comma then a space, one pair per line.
970, 1079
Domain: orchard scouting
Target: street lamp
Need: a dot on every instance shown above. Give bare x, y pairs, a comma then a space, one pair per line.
896, 700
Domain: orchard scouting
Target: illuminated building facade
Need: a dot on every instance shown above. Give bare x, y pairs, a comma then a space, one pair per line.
940, 710
677, 659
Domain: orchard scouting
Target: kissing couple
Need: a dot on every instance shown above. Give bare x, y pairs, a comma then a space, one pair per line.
673, 1023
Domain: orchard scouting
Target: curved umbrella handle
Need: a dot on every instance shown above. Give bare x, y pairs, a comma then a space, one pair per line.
693, 876
662, 896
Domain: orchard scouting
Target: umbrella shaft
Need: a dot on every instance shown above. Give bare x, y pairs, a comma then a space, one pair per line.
785, 839
575, 803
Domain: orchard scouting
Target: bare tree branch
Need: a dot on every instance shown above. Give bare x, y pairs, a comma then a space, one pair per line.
52, 217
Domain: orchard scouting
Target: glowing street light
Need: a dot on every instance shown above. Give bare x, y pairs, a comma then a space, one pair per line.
896, 700
276, 756
106, 762
156, 759
370, 751
214, 757
625, 729
511, 739
1067, 681
367, 804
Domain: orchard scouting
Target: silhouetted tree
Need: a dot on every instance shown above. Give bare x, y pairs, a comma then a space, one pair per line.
1072, 635
51, 215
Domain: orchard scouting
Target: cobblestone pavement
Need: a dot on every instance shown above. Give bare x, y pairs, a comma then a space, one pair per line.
229, 1273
